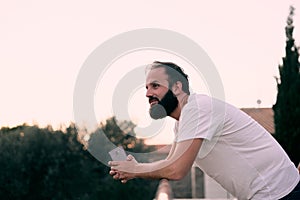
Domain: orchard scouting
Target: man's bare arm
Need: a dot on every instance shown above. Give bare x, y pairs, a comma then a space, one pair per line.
175, 167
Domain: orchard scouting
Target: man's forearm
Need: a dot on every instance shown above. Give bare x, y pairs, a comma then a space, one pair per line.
156, 170
175, 167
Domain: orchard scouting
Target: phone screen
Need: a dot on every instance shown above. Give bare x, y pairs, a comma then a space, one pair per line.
118, 154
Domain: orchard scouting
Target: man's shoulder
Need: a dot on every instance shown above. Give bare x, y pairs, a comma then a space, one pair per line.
203, 99
195, 97
198, 103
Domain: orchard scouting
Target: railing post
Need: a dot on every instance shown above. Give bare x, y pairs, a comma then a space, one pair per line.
164, 190
193, 181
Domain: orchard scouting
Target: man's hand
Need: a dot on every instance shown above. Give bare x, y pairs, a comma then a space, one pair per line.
123, 170
175, 167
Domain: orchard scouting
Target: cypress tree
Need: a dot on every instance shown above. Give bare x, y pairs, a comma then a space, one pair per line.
287, 107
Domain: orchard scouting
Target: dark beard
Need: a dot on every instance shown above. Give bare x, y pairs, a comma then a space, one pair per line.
164, 107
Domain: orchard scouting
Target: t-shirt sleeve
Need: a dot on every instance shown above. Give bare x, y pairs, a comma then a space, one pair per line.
197, 122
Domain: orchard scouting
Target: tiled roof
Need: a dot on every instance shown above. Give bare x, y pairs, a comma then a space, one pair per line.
264, 116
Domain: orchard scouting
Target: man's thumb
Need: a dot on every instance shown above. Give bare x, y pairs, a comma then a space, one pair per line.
129, 157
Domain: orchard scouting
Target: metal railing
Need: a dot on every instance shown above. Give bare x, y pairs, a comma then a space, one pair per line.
164, 190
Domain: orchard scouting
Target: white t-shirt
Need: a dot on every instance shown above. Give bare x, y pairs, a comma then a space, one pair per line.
236, 151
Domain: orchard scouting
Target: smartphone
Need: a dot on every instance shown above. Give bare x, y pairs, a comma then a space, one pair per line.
118, 154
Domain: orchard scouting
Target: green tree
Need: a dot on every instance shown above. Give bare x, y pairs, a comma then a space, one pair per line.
40, 163
287, 107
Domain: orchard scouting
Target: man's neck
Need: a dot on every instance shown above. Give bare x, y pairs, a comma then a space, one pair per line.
182, 100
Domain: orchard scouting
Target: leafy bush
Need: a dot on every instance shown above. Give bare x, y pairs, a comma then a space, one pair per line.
40, 163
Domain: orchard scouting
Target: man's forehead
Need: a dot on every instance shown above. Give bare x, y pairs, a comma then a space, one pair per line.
156, 75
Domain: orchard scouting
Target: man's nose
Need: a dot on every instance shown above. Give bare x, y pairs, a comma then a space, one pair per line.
149, 93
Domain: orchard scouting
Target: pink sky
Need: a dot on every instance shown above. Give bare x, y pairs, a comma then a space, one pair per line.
44, 44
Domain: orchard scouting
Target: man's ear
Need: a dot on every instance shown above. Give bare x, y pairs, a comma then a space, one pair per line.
177, 88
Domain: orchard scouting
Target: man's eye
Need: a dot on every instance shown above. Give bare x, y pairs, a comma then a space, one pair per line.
155, 85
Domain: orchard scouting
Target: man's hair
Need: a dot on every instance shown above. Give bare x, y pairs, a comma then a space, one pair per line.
175, 73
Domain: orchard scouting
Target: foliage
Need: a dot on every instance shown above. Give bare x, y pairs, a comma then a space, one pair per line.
287, 107
45, 164
42, 163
